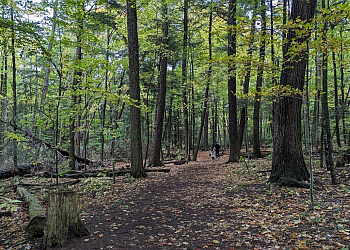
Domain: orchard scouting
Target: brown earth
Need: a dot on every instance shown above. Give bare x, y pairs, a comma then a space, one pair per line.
206, 204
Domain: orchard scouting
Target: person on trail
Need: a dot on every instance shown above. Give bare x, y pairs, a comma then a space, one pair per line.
217, 149
212, 152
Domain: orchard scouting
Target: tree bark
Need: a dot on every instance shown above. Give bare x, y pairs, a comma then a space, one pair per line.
336, 100
288, 166
14, 88
184, 82
248, 67
75, 86
232, 99
4, 101
137, 170
324, 101
259, 80
206, 96
63, 220
157, 143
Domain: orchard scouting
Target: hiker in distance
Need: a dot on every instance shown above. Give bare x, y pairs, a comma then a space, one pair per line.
215, 150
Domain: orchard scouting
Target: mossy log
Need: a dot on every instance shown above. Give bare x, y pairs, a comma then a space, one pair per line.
63, 220
36, 213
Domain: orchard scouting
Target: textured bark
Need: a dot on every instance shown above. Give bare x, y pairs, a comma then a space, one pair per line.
259, 80
157, 142
136, 167
63, 220
288, 166
232, 99
184, 82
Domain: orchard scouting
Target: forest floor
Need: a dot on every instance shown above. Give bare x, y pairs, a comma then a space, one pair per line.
206, 204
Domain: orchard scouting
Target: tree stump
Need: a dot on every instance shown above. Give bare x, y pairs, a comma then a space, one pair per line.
63, 221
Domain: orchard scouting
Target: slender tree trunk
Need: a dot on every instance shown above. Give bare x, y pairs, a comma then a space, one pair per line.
232, 99
259, 80
206, 132
324, 100
104, 105
343, 104
336, 100
170, 125
75, 86
206, 96
47, 75
184, 82
248, 66
157, 142
317, 104
4, 101
14, 88
288, 165
136, 168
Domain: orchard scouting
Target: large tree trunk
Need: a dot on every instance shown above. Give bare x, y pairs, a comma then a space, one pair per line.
157, 143
63, 220
259, 80
232, 99
288, 166
137, 170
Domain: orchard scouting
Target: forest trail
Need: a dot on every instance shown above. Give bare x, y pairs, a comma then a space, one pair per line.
209, 204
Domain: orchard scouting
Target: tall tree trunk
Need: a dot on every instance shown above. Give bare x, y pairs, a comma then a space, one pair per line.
3, 92
170, 125
324, 101
136, 168
288, 165
317, 103
259, 80
206, 96
343, 104
247, 67
184, 82
232, 99
14, 87
77, 76
47, 75
162, 83
336, 100
104, 105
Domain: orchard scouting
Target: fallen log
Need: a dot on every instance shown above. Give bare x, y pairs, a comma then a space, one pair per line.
18, 170
108, 173
36, 213
5, 214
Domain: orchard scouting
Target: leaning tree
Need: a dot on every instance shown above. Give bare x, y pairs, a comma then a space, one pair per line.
288, 165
